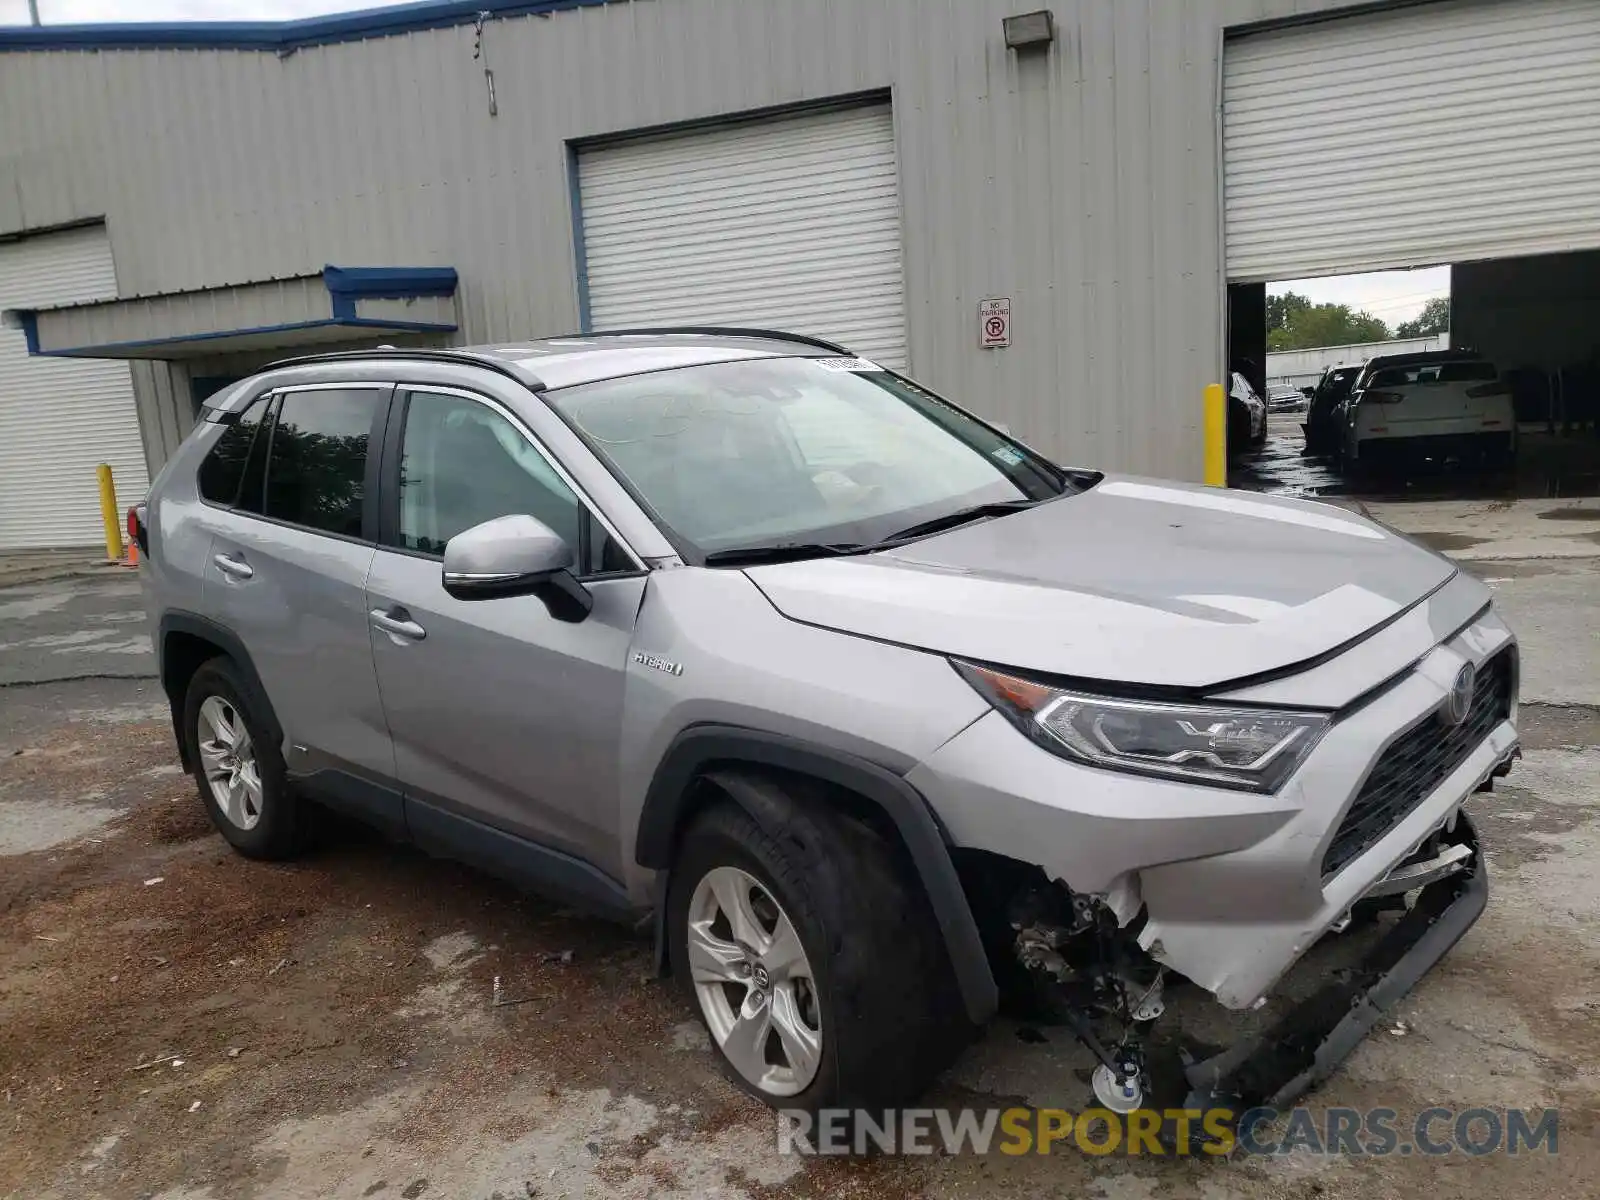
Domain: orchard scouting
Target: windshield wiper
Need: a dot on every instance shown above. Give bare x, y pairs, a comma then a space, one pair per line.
961, 516
747, 556
741, 556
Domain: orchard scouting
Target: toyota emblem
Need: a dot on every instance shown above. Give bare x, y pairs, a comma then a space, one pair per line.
1459, 702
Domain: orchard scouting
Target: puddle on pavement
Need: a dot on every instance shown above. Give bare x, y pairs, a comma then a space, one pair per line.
1546, 468
1446, 542
1571, 514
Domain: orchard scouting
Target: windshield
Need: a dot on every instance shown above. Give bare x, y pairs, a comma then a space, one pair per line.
774, 452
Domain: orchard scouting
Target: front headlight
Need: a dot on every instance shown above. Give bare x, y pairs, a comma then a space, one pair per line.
1253, 749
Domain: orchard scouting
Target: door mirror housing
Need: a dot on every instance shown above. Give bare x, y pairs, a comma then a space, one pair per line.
515, 556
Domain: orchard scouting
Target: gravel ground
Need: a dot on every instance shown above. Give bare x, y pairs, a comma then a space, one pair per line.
177, 1022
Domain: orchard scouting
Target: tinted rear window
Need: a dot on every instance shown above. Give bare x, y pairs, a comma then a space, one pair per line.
1468, 372
316, 470
223, 469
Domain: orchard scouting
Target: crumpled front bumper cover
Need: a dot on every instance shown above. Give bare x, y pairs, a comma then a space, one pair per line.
1306, 1045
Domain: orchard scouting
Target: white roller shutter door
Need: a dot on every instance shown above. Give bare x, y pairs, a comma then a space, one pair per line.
787, 224
1441, 133
60, 417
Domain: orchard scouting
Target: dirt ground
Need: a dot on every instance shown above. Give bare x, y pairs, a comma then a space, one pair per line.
179, 1023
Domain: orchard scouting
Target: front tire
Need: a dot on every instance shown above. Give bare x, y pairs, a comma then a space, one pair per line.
813, 960
238, 767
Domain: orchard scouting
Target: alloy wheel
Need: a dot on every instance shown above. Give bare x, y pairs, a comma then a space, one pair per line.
754, 982
228, 758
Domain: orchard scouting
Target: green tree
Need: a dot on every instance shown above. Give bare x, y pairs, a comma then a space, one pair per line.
1434, 318
1324, 325
1282, 309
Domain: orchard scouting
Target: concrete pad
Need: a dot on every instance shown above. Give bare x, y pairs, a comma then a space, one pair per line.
1488, 530
1552, 610
37, 566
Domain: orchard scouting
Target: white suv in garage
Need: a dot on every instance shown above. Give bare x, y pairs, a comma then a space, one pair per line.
1435, 405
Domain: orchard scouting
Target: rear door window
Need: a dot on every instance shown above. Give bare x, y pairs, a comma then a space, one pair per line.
316, 470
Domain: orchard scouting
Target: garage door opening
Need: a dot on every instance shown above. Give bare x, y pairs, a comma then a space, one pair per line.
1477, 379
61, 417
1410, 192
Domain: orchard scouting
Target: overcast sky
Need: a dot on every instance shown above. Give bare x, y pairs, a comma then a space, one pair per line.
1391, 296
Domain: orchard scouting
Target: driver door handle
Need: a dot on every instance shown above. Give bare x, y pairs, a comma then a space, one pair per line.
397, 623
236, 567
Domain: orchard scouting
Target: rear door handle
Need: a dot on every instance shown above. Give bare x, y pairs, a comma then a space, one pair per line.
236, 567
398, 627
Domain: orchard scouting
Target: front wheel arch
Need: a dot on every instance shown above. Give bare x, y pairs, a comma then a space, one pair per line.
698, 753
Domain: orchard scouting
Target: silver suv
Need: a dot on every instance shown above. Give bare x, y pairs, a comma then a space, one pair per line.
875, 712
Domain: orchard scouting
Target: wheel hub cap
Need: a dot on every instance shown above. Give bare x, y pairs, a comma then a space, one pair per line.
228, 759
754, 982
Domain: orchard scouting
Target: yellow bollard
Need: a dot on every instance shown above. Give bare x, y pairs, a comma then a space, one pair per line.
1216, 435
108, 512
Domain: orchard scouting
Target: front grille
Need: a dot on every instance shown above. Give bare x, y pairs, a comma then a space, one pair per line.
1418, 761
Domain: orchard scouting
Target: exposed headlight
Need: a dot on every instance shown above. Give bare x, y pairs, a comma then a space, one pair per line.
1253, 749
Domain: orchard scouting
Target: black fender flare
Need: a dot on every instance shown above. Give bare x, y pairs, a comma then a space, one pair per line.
228, 642
700, 747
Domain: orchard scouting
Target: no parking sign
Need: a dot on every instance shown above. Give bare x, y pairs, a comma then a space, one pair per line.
994, 323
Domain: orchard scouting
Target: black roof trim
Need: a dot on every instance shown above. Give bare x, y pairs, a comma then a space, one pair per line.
459, 357
771, 335
1454, 354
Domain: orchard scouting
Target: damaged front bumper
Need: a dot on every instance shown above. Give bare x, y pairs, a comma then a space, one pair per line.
1307, 1044
1230, 890
1241, 961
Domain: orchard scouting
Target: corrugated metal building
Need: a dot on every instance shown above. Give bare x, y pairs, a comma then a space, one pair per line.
866, 169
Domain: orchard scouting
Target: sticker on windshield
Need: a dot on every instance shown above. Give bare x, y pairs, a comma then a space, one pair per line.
847, 364
1007, 455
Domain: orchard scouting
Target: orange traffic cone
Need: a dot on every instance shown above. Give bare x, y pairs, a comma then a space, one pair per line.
133, 555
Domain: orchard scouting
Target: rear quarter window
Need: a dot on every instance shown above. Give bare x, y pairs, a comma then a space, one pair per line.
222, 472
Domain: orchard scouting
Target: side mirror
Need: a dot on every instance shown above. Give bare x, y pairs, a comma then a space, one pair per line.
515, 556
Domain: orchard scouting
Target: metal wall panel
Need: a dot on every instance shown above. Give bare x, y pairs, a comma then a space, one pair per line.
61, 417
218, 310
1082, 182
791, 223
1433, 134
1530, 312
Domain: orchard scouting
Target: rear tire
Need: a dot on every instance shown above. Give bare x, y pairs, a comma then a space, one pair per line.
238, 767
882, 996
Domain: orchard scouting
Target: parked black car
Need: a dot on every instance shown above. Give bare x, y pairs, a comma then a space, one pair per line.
1321, 425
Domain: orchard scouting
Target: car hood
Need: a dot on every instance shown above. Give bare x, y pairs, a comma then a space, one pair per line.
1133, 581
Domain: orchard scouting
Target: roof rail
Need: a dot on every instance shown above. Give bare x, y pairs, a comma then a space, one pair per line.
774, 335
461, 357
